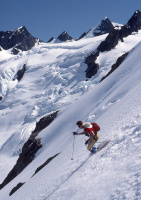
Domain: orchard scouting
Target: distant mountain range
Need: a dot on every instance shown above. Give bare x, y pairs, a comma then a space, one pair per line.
21, 40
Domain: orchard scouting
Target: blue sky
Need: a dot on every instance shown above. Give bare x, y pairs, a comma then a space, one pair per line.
47, 18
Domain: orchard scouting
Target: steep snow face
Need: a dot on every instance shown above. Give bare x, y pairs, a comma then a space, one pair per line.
55, 79
114, 172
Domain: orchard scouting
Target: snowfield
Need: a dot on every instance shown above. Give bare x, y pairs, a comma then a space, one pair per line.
55, 79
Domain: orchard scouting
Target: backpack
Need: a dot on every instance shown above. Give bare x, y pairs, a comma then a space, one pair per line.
96, 126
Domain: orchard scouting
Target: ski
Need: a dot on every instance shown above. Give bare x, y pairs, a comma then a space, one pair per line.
100, 147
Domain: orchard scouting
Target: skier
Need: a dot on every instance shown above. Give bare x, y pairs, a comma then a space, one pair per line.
88, 131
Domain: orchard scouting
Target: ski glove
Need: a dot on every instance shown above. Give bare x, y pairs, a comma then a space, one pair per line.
86, 142
87, 134
75, 133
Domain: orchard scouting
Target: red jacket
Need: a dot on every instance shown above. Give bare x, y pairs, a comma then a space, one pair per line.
88, 130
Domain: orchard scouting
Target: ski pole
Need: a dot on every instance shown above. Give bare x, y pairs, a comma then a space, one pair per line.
73, 147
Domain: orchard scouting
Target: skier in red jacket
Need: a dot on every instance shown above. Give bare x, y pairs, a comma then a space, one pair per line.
89, 131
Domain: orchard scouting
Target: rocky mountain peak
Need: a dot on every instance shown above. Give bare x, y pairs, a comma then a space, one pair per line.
19, 39
50, 40
135, 21
21, 29
105, 26
64, 37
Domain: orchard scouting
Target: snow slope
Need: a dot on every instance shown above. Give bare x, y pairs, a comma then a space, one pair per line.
55, 79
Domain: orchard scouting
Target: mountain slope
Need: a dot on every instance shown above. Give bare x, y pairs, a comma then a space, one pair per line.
113, 173
51, 78
54, 78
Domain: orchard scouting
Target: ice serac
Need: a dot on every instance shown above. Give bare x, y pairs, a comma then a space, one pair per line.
19, 39
63, 37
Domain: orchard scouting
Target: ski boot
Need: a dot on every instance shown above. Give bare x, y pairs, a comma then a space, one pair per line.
94, 150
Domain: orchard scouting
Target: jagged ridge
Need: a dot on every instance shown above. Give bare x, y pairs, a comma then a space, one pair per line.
133, 25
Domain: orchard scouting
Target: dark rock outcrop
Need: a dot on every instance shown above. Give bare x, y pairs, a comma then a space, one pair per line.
28, 153
44, 164
16, 188
135, 21
110, 42
116, 65
29, 149
64, 37
44, 122
0, 98
21, 72
15, 51
19, 38
92, 66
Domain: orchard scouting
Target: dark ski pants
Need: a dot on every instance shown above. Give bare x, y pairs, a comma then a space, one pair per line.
92, 142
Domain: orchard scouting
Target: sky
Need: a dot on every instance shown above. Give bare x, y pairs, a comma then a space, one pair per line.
49, 18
